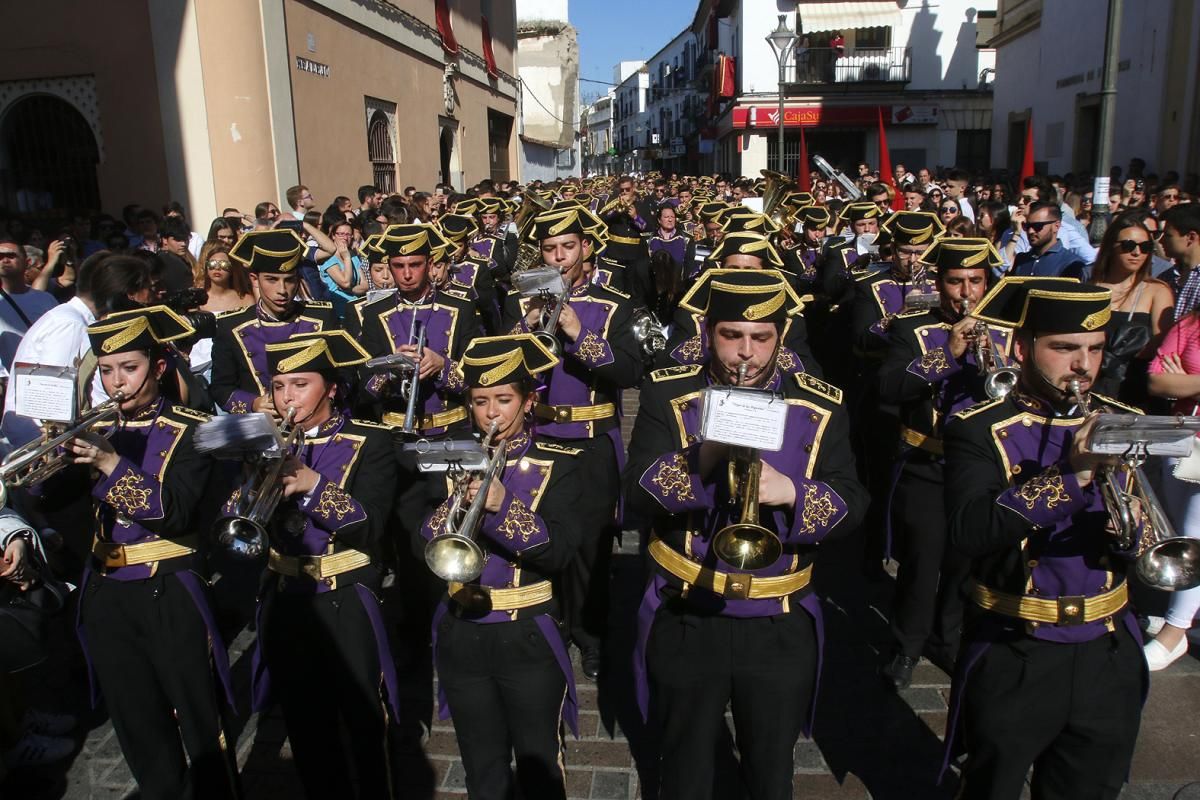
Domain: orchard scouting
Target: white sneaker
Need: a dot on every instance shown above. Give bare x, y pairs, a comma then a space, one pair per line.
35, 750
1159, 657
1154, 625
46, 723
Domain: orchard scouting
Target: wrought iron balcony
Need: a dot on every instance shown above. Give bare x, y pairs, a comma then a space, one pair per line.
825, 65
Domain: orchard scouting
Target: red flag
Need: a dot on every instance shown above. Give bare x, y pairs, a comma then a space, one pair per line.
441, 11
1027, 161
885, 167
802, 170
489, 57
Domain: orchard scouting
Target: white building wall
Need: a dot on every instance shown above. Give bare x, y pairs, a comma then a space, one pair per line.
552, 10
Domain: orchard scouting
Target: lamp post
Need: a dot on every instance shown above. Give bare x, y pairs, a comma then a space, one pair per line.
782, 40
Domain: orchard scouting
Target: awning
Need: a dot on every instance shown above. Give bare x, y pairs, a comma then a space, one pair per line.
841, 16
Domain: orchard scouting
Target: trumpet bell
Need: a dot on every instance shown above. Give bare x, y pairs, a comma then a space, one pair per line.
747, 546
1171, 565
999, 382
454, 558
243, 538
550, 342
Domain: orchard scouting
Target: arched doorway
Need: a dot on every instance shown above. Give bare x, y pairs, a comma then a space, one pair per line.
450, 159
381, 153
48, 158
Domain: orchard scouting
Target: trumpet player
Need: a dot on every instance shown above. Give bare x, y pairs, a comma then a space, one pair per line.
1051, 672
323, 653
628, 219
581, 403
499, 647
711, 632
469, 274
393, 325
240, 379
145, 619
932, 370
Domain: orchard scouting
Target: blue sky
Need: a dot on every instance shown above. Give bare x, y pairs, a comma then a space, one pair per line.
623, 30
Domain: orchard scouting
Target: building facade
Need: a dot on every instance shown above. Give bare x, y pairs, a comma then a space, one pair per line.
632, 132
1055, 80
920, 64
673, 104
220, 103
599, 155
548, 66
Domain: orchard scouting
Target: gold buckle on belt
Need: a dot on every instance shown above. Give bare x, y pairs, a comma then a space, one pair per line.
1064, 610
919, 440
474, 596
319, 568
574, 413
115, 555
439, 420
734, 585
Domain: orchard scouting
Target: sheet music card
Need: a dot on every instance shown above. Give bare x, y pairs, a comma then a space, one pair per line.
744, 418
44, 392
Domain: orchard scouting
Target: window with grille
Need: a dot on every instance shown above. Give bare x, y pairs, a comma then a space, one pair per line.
382, 153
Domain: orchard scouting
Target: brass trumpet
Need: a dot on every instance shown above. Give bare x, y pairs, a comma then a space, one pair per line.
547, 284
38, 460
746, 544
244, 532
617, 203
1162, 559
998, 379
453, 554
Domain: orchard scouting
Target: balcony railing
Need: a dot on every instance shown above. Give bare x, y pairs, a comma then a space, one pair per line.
824, 65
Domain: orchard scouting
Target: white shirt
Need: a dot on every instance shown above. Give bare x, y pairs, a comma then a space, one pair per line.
33, 303
58, 338
964, 208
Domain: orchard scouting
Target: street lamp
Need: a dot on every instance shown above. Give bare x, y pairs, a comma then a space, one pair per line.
782, 40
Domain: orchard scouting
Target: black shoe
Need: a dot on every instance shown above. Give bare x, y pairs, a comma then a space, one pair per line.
590, 657
897, 674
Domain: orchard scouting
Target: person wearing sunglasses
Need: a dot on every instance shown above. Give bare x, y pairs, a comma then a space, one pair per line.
1141, 309
1046, 257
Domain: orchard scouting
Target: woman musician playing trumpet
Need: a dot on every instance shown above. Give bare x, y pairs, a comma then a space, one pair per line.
145, 621
501, 656
322, 649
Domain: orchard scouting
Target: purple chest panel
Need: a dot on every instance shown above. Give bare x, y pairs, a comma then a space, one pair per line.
1072, 558
484, 247
464, 276
254, 336
439, 322
148, 444
676, 246
332, 454
962, 389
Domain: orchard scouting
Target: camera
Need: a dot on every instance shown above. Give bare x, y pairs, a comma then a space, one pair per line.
186, 303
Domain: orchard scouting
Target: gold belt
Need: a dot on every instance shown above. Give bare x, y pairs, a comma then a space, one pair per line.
127, 555
574, 413
920, 440
472, 595
738, 586
623, 239
1065, 610
319, 568
439, 420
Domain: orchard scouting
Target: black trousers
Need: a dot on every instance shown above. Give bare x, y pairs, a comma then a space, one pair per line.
325, 674
927, 608
506, 693
584, 583
1070, 710
150, 652
764, 668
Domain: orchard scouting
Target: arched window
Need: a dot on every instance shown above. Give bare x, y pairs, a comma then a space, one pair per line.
381, 153
48, 157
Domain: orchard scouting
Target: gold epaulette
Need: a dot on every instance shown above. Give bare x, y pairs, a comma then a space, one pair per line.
818, 387
366, 423
671, 373
191, 413
617, 292
233, 311
862, 273
1117, 404
550, 447
914, 313
982, 405
318, 304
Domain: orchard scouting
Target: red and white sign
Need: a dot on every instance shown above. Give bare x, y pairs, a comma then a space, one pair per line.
831, 116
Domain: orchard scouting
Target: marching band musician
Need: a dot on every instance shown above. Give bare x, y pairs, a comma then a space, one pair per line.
740, 250
800, 255
502, 662
392, 325
709, 215
322, 647
627, 220
472, 276
581, 405
1051, 674
711, 633
379, 279
668, 238
240, 380
931, 371
145, 619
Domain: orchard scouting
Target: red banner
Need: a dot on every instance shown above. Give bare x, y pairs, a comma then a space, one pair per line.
803, 172
488, 56
885, 167
726, 76
1027, 159
442, 12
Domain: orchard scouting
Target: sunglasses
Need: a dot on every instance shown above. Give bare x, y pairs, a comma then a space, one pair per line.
1129, 245
9, 254
1036, 227
217, 263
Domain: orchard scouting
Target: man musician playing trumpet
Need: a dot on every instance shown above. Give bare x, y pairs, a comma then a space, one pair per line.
579, 408
1051, 674
322, 650
502, 662
715, 629
145, 620
933, 369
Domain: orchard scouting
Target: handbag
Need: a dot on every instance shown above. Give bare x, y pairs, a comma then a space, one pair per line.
24, 614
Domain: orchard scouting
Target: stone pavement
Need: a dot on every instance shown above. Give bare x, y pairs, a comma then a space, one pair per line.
868, 743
